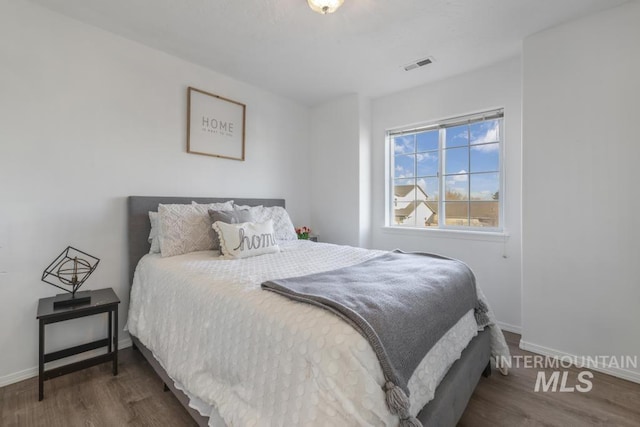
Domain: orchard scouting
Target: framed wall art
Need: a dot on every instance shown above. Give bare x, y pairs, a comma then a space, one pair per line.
215, 125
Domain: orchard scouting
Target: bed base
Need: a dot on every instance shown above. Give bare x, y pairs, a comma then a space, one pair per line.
451, 397
446, 408
168, 383
455, 389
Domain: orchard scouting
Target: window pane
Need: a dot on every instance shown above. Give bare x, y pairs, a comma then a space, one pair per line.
456, 160
485, 214
400, 182
424, 215
404, 144
456, 213
427, 163
430, 187
403, 191
482, 132
427, 140
431, 219
457, 187
403, 196
457, 136
485, 158
429, 215
485, 186
404, 166
402, 214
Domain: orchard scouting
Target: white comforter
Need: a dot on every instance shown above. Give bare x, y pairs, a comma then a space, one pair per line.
261, 359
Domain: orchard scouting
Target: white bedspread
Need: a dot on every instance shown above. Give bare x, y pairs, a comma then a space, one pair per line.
260, 358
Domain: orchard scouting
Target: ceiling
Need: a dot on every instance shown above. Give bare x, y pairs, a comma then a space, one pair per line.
284, 47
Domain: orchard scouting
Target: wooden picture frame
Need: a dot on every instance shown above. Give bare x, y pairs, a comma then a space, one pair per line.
215, 125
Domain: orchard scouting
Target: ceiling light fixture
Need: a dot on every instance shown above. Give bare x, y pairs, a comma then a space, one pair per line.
325, 6
419, 63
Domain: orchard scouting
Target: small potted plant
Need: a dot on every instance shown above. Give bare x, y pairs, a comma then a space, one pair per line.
303, 233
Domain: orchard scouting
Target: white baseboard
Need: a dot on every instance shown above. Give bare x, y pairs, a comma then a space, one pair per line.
510, 328
33, 372
625, 374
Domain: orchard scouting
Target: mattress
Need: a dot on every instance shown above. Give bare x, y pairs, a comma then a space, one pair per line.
257, 358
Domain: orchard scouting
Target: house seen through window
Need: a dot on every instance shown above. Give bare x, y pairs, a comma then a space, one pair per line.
447, 174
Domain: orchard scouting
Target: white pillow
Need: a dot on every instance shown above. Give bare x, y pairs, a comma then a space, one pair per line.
153, 234
185, 228
204, 209
247, 239
282, 225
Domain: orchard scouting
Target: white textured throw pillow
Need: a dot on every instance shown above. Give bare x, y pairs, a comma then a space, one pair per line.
153, 234
185, 228
247, 239
204, 209
282, 225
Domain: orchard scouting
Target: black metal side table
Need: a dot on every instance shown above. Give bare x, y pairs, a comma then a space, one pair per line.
102, 301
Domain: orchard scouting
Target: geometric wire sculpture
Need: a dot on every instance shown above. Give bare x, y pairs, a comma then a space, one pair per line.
71, 269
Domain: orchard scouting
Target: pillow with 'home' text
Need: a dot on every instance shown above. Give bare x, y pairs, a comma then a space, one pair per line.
282, 225
235, 216
247, 239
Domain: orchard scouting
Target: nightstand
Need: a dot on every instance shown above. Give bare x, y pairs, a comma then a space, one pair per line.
102, 301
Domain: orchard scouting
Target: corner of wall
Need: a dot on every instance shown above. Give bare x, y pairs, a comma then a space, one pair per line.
340, 134
365, 172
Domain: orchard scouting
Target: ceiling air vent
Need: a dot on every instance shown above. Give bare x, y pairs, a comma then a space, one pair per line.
417, 64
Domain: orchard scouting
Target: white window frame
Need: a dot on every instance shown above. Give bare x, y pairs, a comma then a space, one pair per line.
452, 230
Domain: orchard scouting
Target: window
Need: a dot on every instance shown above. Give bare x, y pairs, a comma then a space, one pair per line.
447, 174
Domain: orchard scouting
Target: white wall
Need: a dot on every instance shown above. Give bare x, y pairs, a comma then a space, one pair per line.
365, 172
340, 172
496, 262
581, 287
88, 118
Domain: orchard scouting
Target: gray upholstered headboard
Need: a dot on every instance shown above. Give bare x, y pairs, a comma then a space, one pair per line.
138, 225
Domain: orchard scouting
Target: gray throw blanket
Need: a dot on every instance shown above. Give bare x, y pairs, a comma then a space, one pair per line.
402, 303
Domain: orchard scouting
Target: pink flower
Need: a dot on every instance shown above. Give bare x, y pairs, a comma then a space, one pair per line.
303, 232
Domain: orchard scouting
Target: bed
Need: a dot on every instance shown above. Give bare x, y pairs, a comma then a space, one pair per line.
450, 395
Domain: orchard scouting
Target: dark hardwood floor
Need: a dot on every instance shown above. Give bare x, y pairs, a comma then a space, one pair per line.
511, 400
135, 397
94, 397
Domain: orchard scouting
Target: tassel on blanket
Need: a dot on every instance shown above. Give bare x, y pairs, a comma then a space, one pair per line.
410, 422
481, 313
398, 403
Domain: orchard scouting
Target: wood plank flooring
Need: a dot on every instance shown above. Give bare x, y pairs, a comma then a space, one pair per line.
94, 397
511, 401
135, 397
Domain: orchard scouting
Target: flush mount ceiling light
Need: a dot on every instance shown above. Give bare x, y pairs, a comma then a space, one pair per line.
419, 63
325, 6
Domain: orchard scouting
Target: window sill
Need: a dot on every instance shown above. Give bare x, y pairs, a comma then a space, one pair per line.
487, 236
